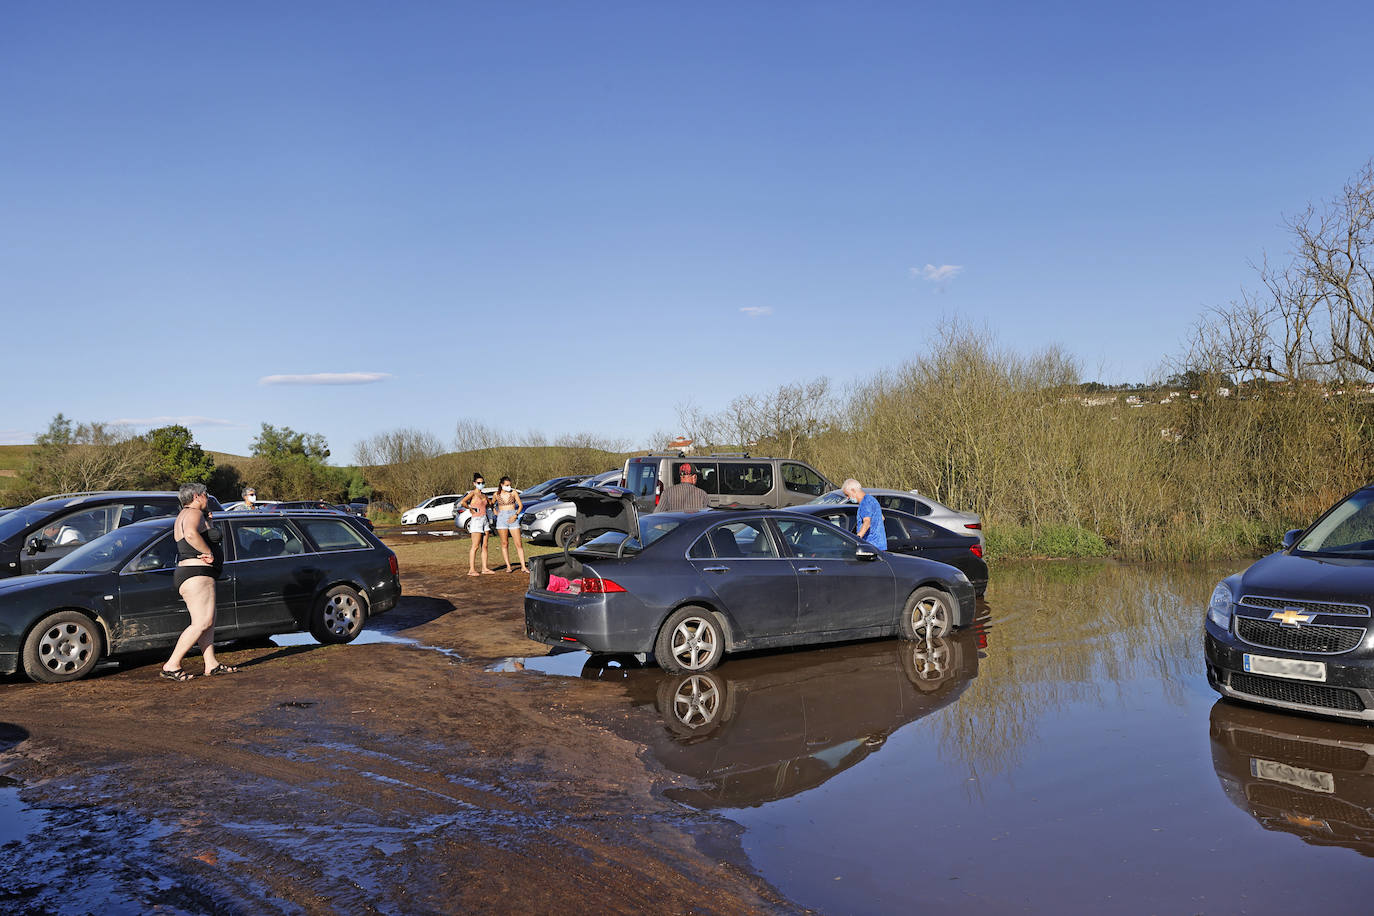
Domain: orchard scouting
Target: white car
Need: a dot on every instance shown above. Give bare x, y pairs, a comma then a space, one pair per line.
434, 509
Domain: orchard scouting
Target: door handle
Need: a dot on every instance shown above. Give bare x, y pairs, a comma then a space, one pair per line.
809, 569
716, 569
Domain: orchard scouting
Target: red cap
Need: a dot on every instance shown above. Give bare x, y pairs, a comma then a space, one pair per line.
685, 469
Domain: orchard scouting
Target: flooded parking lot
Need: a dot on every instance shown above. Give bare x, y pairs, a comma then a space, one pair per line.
1064, 756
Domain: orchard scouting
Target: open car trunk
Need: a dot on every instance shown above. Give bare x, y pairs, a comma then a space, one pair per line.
553, 564
599, 510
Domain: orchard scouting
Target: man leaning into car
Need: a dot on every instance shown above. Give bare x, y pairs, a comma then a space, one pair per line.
685, 495
868, 520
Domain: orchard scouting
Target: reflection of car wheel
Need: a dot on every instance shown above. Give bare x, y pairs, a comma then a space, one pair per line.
693, 705
929, 613
563, 534
63, 647
338, 618
609, 665
691, 640
422, 520
930, 663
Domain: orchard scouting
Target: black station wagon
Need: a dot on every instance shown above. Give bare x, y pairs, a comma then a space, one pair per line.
283, 571
1294, 630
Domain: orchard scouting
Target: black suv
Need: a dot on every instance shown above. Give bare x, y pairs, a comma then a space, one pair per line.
43, 532
283, 571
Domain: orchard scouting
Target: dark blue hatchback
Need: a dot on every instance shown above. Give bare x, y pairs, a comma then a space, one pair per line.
1293, 630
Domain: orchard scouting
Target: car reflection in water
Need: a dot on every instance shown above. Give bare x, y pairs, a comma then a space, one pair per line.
774, 726
1308, 777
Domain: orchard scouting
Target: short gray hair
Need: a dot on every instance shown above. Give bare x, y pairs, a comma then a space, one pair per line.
850, 484
189, 491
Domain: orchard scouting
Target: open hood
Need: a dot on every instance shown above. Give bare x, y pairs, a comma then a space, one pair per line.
602, 509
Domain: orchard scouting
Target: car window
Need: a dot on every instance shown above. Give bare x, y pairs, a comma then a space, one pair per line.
921, 508
740, 540
161, 554
914, 529
79, 527
806, 538
900, 503
801, 479
745, 478
708, 474
1348, 528
333, 534
841, 520
138, 511
269, 538
835, 496
641, 478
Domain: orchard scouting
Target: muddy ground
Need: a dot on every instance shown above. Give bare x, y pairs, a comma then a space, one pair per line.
362, 778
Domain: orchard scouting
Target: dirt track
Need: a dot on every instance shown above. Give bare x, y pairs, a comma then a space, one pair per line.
361, 778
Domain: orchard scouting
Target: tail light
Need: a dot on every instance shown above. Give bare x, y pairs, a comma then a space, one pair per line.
395, 567
976, 550
658, 491
600, 587
976, 526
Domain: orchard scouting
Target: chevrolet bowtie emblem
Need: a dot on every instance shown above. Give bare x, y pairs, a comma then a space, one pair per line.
1290, 617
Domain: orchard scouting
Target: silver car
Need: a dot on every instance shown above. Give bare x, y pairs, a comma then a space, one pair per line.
920, 505
551, 521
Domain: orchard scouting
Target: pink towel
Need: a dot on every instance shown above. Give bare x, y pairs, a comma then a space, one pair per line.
559, 584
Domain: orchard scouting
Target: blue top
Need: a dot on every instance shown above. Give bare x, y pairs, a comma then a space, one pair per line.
877, 534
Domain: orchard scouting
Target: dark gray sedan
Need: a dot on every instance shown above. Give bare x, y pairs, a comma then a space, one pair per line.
689, 587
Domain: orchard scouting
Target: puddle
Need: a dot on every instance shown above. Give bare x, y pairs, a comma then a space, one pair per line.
17, 820
365, 637
564, 663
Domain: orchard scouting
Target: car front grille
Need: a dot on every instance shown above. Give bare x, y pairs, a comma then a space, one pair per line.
1309, 804
1295, 692
1311, 753
1307, 607
1274, 635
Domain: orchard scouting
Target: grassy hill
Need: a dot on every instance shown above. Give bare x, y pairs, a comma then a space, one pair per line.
12, 460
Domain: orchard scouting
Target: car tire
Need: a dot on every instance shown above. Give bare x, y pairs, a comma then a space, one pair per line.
563, 535
422, 520
694, 705
339, 616
690, 641
63, 647
929, 613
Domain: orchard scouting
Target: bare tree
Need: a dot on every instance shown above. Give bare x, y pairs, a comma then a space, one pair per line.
405, 464
470, 435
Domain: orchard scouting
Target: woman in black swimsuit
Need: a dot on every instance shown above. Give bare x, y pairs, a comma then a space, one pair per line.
199, 560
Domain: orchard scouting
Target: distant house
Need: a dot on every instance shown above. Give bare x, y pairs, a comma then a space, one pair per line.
681, 444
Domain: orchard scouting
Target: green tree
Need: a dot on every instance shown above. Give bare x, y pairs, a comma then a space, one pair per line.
290, 465
285, 442
174, 458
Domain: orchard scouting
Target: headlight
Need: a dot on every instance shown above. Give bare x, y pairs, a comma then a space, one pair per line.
1219, 608
543, 513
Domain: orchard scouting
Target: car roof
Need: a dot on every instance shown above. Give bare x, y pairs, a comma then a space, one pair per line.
73, 499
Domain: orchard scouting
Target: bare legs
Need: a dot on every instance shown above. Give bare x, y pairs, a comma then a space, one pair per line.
199, 594
479, 540
512, 534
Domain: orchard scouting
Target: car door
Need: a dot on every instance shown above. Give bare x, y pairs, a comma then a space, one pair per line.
151, 612
756, 585
62, 534
837, 591
274, 581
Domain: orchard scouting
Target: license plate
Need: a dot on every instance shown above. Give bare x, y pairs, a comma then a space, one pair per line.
1285, 667
1312, 780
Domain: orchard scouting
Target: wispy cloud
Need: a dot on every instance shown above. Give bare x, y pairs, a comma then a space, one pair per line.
757, 311
15, 437
168, 421
942, 274
326, 378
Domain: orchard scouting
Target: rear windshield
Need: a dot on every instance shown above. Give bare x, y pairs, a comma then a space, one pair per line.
642, 477
650, 530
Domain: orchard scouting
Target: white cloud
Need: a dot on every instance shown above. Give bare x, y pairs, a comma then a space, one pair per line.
757, 311
942, 274
168, 421
326, 378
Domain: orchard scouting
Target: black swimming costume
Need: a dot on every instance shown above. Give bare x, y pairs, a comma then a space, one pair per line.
186, 552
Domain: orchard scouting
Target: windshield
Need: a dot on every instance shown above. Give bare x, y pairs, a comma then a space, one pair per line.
107, 553
1348, 528
650, 530
11, 523
539, 488
834, 496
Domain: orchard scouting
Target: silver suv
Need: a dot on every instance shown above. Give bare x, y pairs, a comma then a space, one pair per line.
727, 479
551, 521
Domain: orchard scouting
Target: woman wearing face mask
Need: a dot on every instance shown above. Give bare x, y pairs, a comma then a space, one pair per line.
475, 501
508, 509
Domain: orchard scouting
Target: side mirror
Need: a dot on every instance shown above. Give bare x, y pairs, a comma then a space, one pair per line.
1290, 538
36, 545
865, 553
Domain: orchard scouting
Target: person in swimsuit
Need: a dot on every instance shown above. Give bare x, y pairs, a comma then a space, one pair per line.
475, 501
508, 509
199, 560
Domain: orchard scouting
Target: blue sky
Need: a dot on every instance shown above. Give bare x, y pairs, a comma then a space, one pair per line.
575, 217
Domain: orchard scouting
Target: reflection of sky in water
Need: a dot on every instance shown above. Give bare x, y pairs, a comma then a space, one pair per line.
17, 820
1073, 775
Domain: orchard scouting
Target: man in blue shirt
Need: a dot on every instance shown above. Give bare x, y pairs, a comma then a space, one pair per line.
869, 518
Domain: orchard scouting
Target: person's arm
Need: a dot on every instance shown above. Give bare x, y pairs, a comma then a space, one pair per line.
519, 506
864, 524
465, 502
191, 534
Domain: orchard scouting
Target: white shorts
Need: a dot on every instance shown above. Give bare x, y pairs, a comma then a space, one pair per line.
477, 524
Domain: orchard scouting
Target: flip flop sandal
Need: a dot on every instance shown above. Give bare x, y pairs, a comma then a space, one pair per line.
177, 675
221, 669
